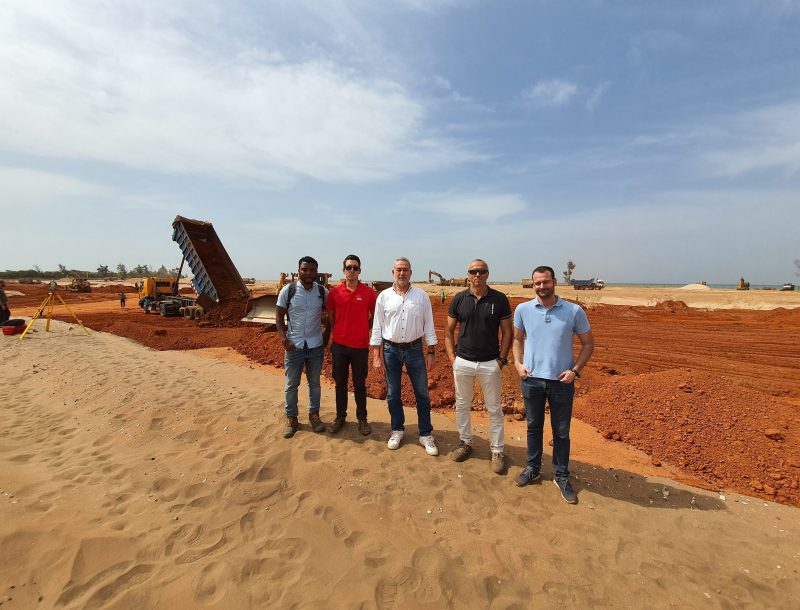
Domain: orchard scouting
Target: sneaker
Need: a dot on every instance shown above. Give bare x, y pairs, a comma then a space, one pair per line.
363, 427
461, 453
527, 476
429, 444
337, 425
569, 495
315, 422
498, 462
291, 427
394, 439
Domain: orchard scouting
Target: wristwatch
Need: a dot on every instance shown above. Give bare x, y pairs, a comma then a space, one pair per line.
503, 361
577, 374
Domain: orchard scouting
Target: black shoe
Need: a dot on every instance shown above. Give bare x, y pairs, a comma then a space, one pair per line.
569, 495
291, 427
526, 477
315, 422
337, 425
363, 427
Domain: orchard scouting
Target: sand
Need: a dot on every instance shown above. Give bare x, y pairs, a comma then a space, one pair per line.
132, 478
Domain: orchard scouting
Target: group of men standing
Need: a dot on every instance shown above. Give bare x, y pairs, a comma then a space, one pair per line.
397, 325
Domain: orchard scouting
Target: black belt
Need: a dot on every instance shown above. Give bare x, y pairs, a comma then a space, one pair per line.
404, 346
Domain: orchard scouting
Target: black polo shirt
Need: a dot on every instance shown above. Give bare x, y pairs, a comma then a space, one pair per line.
479, 323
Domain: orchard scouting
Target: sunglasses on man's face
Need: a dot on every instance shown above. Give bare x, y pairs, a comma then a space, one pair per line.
477, 271
352, 268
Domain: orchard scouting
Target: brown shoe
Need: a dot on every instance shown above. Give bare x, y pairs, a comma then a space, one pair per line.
498, 463
461, 453
315, 422
291, 427
337, 425
363, 427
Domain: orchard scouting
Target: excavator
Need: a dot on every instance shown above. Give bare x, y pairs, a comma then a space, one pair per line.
442, 281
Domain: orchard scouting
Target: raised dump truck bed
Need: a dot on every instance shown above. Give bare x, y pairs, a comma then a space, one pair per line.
215, 275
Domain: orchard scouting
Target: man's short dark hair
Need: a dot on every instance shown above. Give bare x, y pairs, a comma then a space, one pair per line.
544, 269
308, 259
351, 257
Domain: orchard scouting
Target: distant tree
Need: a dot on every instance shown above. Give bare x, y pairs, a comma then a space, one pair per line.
103, 270
141, 271
62, 269
37, 269
568, 272
122, 271
162, 271
174, 272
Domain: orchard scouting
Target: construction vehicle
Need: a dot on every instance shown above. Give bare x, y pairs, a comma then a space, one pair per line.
249, 280
78, 284
442, 281
160, 294
289, 278
787, 286
381, 285
526, 282
592, 284
742, 285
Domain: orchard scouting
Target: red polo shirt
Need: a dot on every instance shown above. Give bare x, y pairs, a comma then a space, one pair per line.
352, 310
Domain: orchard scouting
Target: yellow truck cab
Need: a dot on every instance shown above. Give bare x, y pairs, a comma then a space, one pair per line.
154, 287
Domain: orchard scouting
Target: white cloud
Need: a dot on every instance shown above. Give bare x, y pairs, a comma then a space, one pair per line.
555, 92
125, 87
466, 206
767, 139
596, 95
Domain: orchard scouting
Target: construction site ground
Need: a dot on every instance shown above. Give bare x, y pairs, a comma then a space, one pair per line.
712, 396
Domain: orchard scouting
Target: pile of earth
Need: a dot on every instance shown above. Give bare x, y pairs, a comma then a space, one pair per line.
694, 420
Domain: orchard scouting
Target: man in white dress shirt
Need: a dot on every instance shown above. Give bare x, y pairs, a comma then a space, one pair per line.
403, 317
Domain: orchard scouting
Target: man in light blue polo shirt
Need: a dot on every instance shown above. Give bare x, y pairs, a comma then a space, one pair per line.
304, 341
544, 359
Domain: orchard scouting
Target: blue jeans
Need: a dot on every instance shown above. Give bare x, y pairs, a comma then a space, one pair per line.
559, 395
414, 359
294, 362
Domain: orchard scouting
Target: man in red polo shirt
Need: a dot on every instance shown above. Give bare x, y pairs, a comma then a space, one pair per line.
350, 309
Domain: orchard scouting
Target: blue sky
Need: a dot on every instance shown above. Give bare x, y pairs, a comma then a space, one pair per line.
647, 142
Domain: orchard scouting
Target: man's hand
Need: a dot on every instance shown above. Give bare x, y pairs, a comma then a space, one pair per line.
430, 360
288, 345
523, 372
567, 376
377, 358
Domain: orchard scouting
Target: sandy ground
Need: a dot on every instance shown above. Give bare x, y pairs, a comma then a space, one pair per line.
131, 478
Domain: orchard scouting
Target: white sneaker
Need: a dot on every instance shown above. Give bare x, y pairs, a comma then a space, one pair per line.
429, 444
394, 439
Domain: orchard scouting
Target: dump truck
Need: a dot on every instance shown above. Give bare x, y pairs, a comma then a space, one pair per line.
742, 285
160, 295
592, 284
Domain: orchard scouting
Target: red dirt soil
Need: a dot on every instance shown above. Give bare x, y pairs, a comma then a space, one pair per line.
714, 393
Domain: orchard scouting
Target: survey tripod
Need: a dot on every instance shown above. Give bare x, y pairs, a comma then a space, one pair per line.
46, 308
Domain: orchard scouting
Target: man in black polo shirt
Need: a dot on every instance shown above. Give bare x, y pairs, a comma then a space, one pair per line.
481, 312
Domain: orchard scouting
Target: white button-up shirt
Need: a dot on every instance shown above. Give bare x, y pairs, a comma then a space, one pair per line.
403, 318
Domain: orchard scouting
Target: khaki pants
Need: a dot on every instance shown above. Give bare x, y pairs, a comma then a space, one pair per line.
488, 375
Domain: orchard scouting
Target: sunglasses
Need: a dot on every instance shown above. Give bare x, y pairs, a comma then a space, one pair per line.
352, 268
477, 271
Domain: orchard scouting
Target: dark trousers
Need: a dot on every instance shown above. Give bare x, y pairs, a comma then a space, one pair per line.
344, 358
535, 392
5, 314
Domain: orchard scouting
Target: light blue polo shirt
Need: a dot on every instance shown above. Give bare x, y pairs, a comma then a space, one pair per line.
305, 314
548, 335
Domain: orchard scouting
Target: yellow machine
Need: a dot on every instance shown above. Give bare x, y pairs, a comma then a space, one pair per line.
153, 287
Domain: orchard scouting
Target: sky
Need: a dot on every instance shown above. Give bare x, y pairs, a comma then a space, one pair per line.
645, 141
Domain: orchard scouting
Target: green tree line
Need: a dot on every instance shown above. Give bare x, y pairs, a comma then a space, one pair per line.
102, 271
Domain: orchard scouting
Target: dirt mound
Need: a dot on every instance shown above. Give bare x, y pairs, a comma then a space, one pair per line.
229, 313
695, 420
672, 306
694, 287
